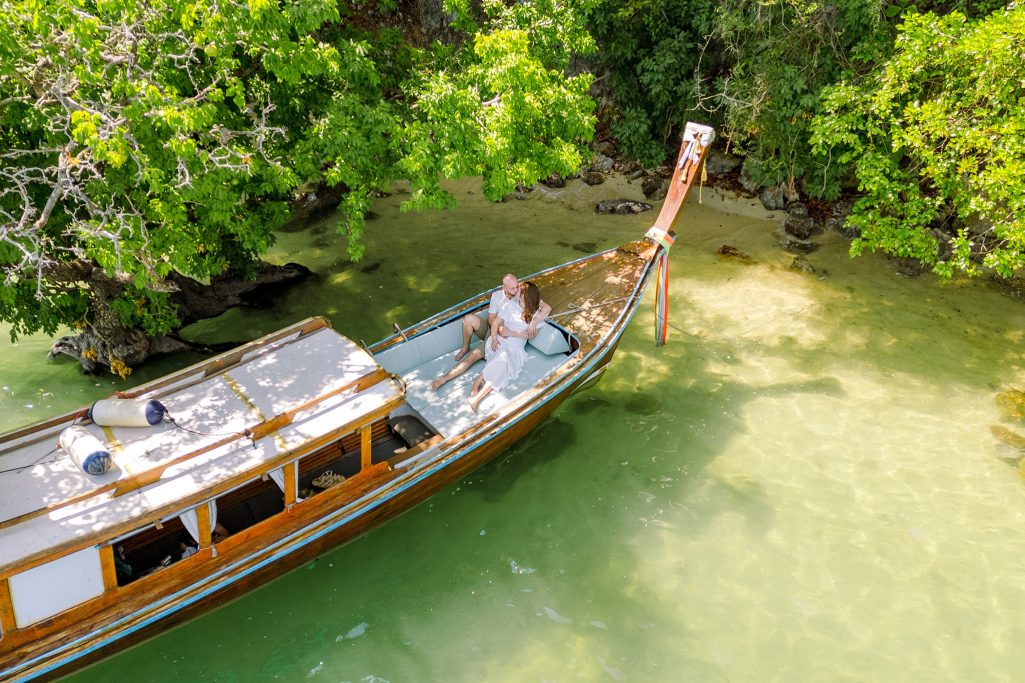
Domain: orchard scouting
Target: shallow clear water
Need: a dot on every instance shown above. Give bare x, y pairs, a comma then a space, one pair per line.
802, 487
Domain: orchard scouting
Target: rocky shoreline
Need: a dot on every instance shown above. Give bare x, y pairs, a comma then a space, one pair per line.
801, 220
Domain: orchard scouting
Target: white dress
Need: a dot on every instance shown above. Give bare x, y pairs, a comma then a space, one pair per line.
506, 363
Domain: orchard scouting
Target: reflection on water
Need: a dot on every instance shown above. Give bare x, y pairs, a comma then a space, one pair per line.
803, 482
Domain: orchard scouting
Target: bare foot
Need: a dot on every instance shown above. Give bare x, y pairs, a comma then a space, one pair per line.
473, 404
460, 353
436, 384
475, 389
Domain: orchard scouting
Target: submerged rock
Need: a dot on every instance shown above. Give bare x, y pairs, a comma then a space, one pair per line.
798, 246
801, 265
655, 187
592, 178
1005, 435
1011, 404
908, 267
731, 252
622, 207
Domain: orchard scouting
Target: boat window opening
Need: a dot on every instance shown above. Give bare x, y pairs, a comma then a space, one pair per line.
148, 551
340, 460
245, 506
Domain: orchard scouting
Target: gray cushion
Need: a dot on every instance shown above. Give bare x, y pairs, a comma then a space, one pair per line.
410, 429
549, 341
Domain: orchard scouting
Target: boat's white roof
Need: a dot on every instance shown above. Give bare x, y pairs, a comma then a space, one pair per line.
35, 473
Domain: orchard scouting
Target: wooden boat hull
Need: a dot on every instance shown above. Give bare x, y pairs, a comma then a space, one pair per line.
595, 297
85, 635
301, 555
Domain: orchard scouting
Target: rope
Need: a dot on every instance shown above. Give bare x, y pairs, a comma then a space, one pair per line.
36, 462
245, 433
167, 417
577, 308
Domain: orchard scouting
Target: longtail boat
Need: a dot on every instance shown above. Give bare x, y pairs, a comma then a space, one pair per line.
275, 452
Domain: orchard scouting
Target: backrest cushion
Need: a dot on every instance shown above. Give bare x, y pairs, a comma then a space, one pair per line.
549, 340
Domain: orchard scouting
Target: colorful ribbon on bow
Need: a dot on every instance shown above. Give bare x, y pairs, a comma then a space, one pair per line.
661, 284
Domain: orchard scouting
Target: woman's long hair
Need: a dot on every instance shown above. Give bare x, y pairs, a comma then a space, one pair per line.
531, 298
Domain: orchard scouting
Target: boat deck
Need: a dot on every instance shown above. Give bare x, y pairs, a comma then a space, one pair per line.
446, 410
215, 409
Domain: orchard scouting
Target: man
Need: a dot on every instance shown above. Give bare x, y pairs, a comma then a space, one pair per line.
473, 325
505, 303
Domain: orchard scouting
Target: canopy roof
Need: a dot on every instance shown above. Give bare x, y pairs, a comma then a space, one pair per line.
316, 374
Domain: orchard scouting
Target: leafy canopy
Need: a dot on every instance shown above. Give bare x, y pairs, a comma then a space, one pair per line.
169, 137
936, 136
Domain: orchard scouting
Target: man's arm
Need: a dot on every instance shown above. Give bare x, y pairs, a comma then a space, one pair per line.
497, 331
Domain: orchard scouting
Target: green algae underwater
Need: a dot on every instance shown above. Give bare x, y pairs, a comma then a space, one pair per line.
802, 485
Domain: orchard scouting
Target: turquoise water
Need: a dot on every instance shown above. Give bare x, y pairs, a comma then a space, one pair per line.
802, 486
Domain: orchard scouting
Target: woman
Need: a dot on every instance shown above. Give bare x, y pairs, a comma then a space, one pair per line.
504, 351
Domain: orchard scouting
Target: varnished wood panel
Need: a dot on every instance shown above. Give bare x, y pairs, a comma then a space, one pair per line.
364, 451
7, 620
107, 568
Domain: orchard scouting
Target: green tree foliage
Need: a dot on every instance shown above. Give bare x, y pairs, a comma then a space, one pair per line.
167, 138
754, 68
652, 51
936, 136
780, 56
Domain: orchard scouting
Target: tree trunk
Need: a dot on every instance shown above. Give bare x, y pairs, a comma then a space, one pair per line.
107, 343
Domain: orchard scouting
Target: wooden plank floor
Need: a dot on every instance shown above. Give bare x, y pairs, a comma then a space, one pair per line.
588, 297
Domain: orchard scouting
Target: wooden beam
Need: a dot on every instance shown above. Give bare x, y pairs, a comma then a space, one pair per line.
7, 621
364, 447
291, 483
40, 430
108, 568
206, 529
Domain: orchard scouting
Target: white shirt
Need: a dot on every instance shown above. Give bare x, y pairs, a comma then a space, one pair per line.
499, 301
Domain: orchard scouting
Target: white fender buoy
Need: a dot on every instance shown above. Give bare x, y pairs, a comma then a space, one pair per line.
85, 449
127, 412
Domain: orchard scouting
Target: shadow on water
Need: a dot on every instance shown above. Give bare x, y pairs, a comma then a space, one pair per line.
545, 443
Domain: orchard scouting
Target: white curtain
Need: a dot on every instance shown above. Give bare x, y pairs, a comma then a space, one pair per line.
190, 519
278, 476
